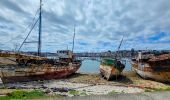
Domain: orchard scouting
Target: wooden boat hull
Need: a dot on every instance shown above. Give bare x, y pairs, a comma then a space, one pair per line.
147, 73
43, 72
109, 72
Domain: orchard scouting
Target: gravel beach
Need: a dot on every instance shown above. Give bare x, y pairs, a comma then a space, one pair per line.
83, 84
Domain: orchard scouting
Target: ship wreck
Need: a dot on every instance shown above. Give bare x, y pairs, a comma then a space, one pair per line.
152, 66
31, 67
111, 68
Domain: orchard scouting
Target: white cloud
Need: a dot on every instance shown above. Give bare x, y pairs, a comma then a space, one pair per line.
96, 20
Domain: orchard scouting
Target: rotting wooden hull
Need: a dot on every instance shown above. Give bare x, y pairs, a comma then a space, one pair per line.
44, 72
147, 73
109, 72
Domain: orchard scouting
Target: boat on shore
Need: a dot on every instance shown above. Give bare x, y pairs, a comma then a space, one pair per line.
152, 66
31, 67
111, 68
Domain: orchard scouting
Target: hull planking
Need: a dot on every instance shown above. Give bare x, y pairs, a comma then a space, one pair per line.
43, 72
109, 72
146, 72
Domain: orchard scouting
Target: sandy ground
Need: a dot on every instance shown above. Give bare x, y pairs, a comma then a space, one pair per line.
129, 79
91, 89
90, 84
62, 87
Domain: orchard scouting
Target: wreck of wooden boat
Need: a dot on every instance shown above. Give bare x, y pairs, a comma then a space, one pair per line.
111, 68
155, 66
31, 67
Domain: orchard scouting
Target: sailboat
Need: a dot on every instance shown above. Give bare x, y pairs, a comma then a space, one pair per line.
31, 67
111, 68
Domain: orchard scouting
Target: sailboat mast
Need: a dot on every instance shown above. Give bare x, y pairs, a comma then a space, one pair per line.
120, 44
119, 48
73, 39
39, 36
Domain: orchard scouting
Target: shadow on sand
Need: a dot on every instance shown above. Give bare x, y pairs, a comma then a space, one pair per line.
122, 79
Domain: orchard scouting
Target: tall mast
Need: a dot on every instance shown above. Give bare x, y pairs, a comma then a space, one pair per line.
119, 47
39, 36
120, 44
73, 39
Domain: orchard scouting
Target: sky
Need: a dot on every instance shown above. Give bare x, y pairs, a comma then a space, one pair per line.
99, 24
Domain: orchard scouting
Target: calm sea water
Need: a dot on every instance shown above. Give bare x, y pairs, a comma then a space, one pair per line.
92, 66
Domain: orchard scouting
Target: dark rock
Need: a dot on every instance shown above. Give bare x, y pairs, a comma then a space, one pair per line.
48, 91
60, 89
44, 87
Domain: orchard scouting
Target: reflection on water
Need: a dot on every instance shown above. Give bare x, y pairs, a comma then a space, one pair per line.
128, 65
92, 66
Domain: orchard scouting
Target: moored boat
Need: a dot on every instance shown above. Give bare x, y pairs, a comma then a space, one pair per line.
152, 66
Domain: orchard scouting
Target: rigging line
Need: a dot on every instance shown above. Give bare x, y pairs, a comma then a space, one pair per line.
28, 34
33, 19
31, 24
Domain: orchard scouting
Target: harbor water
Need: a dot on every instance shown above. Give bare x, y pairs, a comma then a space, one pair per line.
92, 66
